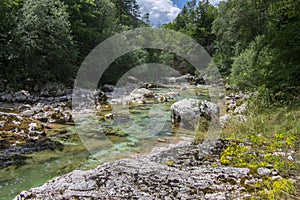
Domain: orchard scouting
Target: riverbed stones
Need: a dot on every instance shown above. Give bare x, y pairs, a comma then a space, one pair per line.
21, 135
150, 177
21, 96
53, 90
28, 113
6, 97
241, 109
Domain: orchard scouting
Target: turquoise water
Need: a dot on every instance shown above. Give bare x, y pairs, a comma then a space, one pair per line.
43, 166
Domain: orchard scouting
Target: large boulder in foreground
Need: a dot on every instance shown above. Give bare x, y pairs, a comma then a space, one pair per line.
182, 172
194, 114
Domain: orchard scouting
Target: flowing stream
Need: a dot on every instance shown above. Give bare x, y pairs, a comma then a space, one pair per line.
41, 167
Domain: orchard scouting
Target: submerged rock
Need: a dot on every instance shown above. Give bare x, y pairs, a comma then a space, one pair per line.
182, 172
141, 93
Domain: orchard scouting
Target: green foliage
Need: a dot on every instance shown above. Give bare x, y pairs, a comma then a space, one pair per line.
44, 41
170, 162
92, 21
127, 12
258, 43
284, 39
122, 65
195, 20
8, 13
248, 70
237, 24
278, 189
239, 155
47, 40
266, 133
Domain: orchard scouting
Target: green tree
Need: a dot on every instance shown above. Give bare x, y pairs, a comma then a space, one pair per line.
127, 12
248, 70
283, 37
43, 37
196, 20
8, 13
237, 24
92, 21
271, 63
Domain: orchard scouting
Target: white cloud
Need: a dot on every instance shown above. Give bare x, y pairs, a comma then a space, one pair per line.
215, 2
161, 11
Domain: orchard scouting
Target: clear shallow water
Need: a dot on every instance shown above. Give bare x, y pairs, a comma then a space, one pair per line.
43, 166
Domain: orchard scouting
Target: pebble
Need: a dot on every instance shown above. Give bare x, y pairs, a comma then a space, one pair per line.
290, 157
263, 171
28, 113
275, 178
109, 116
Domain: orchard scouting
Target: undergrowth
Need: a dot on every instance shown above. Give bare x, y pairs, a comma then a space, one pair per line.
270, 138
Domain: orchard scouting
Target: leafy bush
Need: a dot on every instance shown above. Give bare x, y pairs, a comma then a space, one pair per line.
44, 42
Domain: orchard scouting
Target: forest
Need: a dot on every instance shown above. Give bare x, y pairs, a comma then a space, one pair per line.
255, 44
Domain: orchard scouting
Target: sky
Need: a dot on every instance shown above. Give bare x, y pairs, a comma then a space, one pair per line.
163, 11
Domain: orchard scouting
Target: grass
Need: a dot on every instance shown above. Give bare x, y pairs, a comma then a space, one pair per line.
270, 138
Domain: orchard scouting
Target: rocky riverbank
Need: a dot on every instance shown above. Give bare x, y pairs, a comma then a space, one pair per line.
183, 171
46, 115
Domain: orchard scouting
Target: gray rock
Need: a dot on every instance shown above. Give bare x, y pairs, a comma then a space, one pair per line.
290, 157
186, 113
100, 96
21, 96
227, 98
108, 88
264, 171
275, 178
141, 94
50, 99
225, 119
53, 90
28, 113
131, 79
192, 114
209, 110
241, 109
63, 98
152, 177
24, 107
7, 97
180, 79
